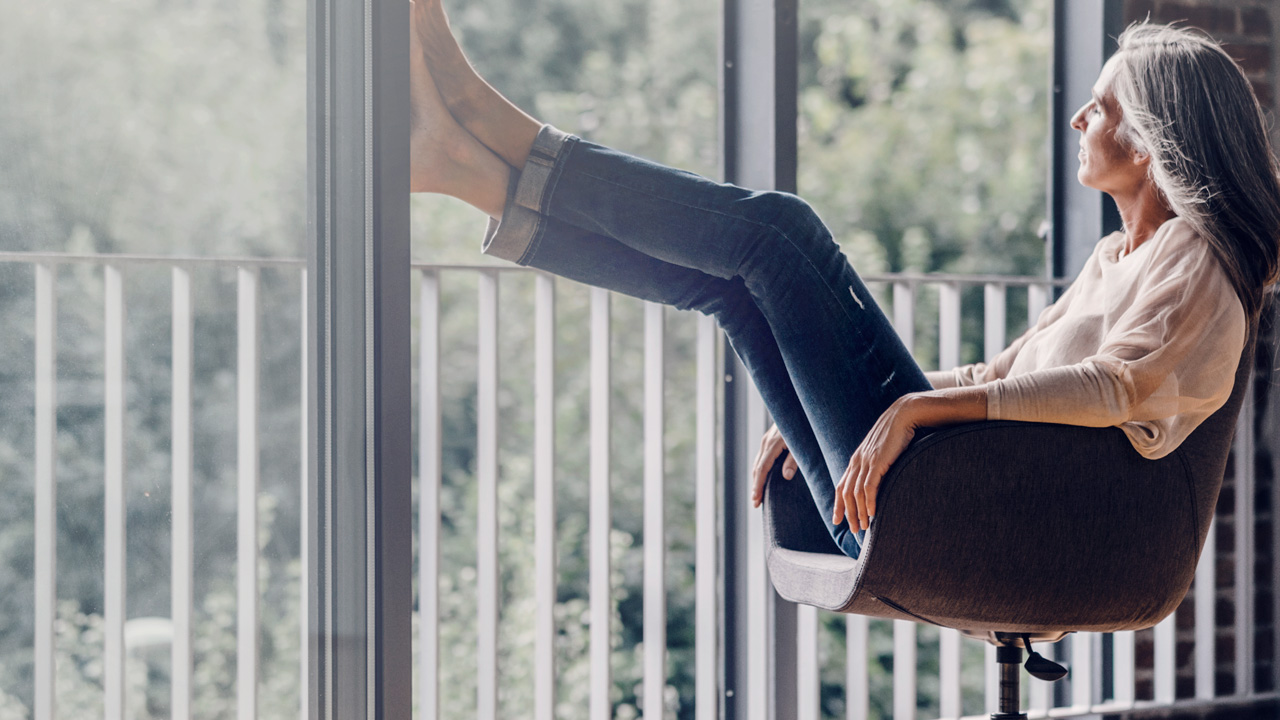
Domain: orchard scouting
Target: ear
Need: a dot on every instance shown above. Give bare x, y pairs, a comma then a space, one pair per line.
1140, 158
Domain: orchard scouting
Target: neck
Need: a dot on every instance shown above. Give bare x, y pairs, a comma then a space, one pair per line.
1142, 213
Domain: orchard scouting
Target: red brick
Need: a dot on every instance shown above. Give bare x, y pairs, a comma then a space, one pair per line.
1255, 23
1138, 10
1254, 58
1186, 617
1226, 538
1224, 646
1215, 21
1226, 569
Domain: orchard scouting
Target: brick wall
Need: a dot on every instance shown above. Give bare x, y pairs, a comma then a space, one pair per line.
1248, 29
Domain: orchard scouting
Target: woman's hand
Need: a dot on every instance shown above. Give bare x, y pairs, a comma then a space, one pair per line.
771, 446
856, 491
880, 449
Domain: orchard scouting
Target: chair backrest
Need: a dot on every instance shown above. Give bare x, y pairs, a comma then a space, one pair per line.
1205, 450
1028, 527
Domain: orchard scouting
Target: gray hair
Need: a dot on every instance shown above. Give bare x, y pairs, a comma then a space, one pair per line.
1188, 105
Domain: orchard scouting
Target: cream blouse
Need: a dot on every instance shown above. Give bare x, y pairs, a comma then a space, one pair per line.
1148, 341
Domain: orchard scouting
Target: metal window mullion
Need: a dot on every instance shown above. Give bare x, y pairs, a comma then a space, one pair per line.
707, 606
182, 593
46, 489
429, 469
545, 498
487, 499
655, 596
247, 382
600, 514
359, 372
114, 586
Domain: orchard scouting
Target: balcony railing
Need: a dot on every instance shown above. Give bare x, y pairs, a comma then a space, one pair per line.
1104, 668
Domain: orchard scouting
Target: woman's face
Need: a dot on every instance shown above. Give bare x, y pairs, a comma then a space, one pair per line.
1105, 163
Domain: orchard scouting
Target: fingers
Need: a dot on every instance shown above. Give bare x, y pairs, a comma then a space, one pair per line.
771, 446
856, 492
789, 467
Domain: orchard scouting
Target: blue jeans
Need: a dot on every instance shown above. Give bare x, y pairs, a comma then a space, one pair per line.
824, 357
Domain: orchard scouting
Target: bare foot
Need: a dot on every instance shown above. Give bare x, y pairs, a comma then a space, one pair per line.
444, 157
483, 111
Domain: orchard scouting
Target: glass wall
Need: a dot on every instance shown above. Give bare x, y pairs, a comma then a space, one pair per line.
133, 132
923, 144
641, 76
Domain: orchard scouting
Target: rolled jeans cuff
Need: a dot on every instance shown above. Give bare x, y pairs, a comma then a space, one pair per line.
515, 235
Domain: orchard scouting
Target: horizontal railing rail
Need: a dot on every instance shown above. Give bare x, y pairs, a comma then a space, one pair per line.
1091, 654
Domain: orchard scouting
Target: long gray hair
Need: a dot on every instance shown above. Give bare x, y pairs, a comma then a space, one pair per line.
1188, 105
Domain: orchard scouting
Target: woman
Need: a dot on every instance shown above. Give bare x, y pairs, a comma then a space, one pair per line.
1147, 338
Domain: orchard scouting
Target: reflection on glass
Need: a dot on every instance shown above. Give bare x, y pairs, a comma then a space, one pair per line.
152, 130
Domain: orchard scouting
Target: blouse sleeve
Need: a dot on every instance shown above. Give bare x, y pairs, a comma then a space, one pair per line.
1164, 366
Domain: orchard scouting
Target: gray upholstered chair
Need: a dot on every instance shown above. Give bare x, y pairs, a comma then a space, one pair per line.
1009, 530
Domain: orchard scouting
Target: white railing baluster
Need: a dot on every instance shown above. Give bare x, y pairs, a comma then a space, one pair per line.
948, 325
993, 320
808, 681
1124, 660
304, 521
46, 489
1206, 600
706, 685
544, 497
991, 686
1164, 666
601, 515
949, 673
904, 313
113, 587
1082, 670
487, 498
182, 593
760, 595
904, 670
1037, 301
429, 474
247, 494
857, 692
1244, 526
655, 589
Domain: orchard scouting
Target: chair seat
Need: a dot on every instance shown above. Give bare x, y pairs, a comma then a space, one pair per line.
1016, 528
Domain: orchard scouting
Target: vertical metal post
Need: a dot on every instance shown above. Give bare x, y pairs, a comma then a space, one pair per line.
655, 587
487, 499
600, 519
759, 79
1084, 32
359, 433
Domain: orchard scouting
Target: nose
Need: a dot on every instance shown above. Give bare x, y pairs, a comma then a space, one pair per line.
1078, 120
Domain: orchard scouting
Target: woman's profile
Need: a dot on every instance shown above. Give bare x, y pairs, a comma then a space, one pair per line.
1147, 338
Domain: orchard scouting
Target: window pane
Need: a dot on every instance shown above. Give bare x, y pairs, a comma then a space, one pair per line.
641, 76
152, 129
